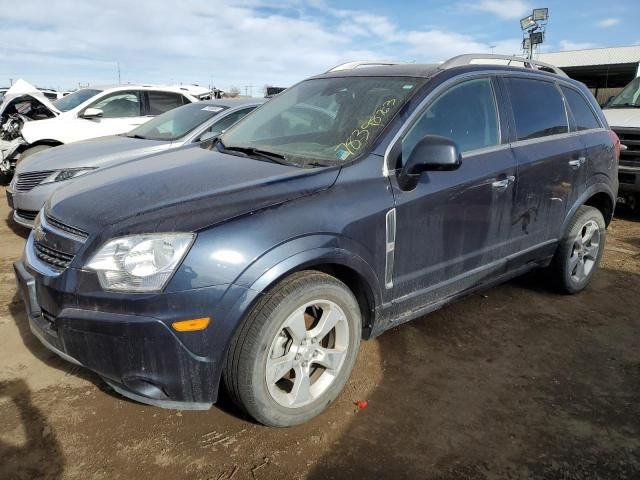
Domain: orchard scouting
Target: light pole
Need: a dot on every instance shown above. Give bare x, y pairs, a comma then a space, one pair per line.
533, 29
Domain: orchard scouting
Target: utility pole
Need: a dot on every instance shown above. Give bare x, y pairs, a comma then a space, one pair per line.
247, 89
119, 81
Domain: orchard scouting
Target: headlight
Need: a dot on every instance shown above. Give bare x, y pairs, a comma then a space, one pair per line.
140, 263
67, 174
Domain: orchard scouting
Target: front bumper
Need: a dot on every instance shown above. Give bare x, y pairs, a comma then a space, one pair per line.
26, 205
629, 179
138, 355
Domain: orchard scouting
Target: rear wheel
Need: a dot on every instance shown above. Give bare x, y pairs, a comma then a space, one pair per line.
578, 256
295, 351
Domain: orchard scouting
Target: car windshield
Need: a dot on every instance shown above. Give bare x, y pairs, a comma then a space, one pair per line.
74, 99
176, 123
321, 122
629, 97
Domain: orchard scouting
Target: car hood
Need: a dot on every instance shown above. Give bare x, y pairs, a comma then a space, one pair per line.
99, 152
181, 190
22, 89
623, 117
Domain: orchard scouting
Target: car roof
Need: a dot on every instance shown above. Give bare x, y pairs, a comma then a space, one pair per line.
430, 70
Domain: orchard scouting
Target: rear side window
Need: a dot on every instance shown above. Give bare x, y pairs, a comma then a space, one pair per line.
160, 102
583, 116
466, 114
538, 108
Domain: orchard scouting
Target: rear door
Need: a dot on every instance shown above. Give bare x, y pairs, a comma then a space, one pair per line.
549, 160
595, 139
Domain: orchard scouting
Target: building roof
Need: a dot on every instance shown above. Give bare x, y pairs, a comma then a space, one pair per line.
593, 56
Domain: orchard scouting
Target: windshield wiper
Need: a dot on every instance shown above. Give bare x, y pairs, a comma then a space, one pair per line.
137, 136
257, 152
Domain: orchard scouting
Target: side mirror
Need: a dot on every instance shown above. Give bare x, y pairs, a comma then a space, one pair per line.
606, 104
207, 136
92, 113
432, 152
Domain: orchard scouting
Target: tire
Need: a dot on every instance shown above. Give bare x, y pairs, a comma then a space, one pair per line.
578, 256
271, 339
30, 151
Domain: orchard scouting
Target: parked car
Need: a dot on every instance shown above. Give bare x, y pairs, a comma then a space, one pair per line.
266, 257
40, 174
83, 114
623, 114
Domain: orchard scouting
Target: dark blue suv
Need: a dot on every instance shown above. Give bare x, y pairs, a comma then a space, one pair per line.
353, 202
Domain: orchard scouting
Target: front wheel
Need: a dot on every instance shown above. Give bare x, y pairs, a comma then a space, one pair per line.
295, 351
578, 256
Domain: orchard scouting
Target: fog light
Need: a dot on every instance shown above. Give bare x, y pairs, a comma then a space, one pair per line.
191, 325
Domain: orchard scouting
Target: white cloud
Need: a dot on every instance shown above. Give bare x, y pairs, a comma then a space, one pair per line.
233, 43
608, 22
506, 9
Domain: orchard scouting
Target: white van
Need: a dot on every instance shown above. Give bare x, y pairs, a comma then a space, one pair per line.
623, 115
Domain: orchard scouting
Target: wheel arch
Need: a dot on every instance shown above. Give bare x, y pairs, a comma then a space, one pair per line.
600, 196
346, 266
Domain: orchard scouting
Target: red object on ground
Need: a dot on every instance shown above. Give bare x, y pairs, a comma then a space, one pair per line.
362, 404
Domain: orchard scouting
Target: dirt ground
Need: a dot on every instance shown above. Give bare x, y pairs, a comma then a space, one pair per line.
515, 382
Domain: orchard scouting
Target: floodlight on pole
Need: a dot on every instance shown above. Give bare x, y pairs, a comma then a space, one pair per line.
536, 38
540, 14
527, 22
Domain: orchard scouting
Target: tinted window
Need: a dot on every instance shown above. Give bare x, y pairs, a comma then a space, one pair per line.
466, 114
176, 123
537, 107
582, 114
119, 105
160, 102
224, 123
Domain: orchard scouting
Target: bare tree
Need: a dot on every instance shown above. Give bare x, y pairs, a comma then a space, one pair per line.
233, 92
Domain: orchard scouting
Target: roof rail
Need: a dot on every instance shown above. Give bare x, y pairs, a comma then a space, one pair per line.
526, 62
361, 63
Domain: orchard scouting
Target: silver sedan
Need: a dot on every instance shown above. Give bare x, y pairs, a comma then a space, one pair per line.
38, 175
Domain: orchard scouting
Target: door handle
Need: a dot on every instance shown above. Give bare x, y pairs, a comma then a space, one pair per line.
578, 162
504, 183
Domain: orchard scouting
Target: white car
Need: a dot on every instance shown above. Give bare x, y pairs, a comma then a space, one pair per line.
90, 113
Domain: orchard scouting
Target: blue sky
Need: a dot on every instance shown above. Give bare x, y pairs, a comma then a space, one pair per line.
63, 43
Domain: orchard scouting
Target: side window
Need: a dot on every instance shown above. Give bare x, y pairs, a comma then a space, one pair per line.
583, 116
119, 105
466, 114
224, 123
538, 108
160, 102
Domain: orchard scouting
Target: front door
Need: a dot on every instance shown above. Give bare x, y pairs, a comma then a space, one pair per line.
452, 230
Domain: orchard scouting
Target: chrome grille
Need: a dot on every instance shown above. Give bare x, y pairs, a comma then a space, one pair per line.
28, 180
54, 258
630, 137
66, 228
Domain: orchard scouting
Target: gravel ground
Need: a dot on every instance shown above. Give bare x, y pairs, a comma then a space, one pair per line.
514, 382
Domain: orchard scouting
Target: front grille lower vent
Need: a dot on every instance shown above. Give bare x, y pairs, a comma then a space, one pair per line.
27, 214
